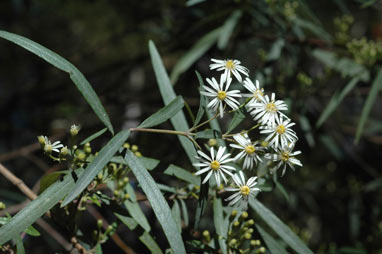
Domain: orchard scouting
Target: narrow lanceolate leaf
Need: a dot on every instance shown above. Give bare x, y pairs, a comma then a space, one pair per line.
164, 113
279, 227
35, 209
179, 120
238, 117
176, 214
19, 245
219, 224
158, 203
150, 243
335, 101
77, 77
97, 165
148, 163
227, 29
93, 136
200, 47
208, 134
182, 174
202, 102
135, 210
376, 88
272, 244
184, 212
276, 50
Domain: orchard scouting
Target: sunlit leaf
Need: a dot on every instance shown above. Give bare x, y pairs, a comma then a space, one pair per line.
158, 203
97, 165
219, 224
179, 120
164, 113
279, 227
77, 77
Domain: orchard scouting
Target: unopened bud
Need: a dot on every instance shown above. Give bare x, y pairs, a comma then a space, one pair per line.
134, 148
48, 148
212, 142
138, 154
232, 243
126, 196
74, 129
126, 145
41, 140
99, 223
243, 216
2, 206
87, 148
125, 179
81, 156
206, 235
64, 151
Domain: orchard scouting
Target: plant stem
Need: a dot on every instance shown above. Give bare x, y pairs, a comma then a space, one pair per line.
205, 122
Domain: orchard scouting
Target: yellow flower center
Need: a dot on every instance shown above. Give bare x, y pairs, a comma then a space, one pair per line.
258, 93
245, 190
215, 165
285, 156
230, 65
271, 107
250, 149
222, 95
280, 129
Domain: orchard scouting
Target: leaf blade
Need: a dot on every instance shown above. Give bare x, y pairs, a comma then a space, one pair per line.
158, 203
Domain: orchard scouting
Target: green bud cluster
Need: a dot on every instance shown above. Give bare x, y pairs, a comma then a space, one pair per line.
342, 26
364, 51
241, 234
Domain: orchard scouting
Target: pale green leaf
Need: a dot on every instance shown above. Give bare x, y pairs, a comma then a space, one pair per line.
376, 88
158, 203
148, 163
227, 29
238, 117
179, 120
128, 221
219, 224
184, 212
198, 50
208, 134
273, 246
98, 249
164, 113
77, 77
36, 208
97, 165
32, 231
276, 50
93, 136
279, 227
134, 209
202, 102
19, 245
182, 174
193, 2
150, 243
176, 214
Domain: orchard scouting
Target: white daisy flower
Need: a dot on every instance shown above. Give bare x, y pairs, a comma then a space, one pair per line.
221, 95
256, 91
244, 190
280, 134
49, 147
285, 156
249, 150
214, 164
229, 66
267, 110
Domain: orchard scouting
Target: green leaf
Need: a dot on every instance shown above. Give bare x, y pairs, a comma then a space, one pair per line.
158, 203
198, 50
148, 163
176, 214
335, 101
219, 224
238, 117
184, 212
276, 50
150, 243
315, 29
164, 113
376, 87
77, 77
179, 120
19, 245
202, 102
227, 29
208, 134
134, 209
128, 221
36, 208
97, 165
193, 2
214, 124
182, 174
273, 246
347, 67
202, 202
98, 249
279, 227
32, 231
93, 136
49, 179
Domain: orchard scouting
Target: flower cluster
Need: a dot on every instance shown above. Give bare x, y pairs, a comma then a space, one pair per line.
274, 149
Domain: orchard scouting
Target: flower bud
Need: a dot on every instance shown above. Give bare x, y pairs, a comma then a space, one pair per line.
64, 151
126, 145
87, 148
125, 179
99, 223
138, 154
48, 148
126, 196
134, 148
2, 206
212, 142
41, 140
81, 156
74, 129
206, 236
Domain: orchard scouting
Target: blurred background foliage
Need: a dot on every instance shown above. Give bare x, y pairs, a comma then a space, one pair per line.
321, 57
